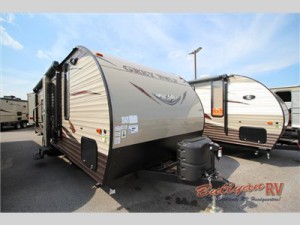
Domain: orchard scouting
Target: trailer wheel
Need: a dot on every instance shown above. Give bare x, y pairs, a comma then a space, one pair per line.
18, 126
24, 124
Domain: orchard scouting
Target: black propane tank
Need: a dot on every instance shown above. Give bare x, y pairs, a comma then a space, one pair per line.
196, 157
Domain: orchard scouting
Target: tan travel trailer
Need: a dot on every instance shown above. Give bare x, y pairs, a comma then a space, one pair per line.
291, 97
14, 112
112, 118
241, 111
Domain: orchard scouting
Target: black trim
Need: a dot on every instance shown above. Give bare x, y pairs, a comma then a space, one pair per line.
36, 110
66, 92
225, 104
57, 107
220, 77
49, 73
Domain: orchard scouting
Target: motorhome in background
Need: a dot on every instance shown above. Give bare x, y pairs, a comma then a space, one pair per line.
14, 112
112, 117
31, 106
291, 97
240, 111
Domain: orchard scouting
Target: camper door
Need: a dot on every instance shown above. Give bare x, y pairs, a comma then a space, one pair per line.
219, 102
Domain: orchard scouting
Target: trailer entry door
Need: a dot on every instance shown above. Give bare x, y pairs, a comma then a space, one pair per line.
217, 92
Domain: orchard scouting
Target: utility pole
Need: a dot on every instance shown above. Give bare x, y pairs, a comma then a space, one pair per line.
195, 59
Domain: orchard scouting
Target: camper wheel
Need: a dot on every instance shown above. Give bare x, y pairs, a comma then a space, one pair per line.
18, 125
24, 124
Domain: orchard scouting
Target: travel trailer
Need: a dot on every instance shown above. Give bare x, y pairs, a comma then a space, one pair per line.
111, 118
31, 106
14, 112
291, 97
241, 111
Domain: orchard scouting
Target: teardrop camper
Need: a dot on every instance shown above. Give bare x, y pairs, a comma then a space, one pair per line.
241, 111
112, 118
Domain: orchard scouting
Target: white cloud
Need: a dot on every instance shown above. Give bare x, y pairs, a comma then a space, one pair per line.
10, 18
43, 55
9, 41
266, 66
7, 18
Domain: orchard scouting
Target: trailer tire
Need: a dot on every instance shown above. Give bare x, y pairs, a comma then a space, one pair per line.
18, 126
24, 124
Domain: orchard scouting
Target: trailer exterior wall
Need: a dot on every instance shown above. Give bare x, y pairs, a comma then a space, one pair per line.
293, 103
146, 100
88, 107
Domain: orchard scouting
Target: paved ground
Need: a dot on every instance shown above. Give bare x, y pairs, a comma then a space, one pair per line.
55, 185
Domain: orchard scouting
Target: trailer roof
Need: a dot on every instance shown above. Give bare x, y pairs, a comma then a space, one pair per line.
284, 87
16, 100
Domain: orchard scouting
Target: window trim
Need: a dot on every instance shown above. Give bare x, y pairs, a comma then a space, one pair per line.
278, 93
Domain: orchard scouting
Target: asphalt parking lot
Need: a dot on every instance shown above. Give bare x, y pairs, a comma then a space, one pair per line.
54, 184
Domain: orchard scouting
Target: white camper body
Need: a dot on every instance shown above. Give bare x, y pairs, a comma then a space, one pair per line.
291, 97
241, 111
14, 112
112, 117
31, 106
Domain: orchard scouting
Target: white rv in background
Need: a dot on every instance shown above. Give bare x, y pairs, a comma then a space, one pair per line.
14, 112
241, 111
112, 117
31, 106
291, 97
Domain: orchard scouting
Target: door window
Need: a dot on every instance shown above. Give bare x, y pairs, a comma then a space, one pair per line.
217, 104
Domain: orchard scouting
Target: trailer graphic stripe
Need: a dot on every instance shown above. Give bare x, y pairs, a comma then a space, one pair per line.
238, 102
2, 110
144, 92
184, 95
84, 92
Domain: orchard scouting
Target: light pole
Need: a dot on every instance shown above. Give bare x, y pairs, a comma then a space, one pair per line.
195, 59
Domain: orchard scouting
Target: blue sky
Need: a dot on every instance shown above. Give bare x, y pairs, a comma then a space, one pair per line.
262, 46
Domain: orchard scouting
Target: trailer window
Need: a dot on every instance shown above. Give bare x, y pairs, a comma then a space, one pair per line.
285, 96
66, 92
217, 98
